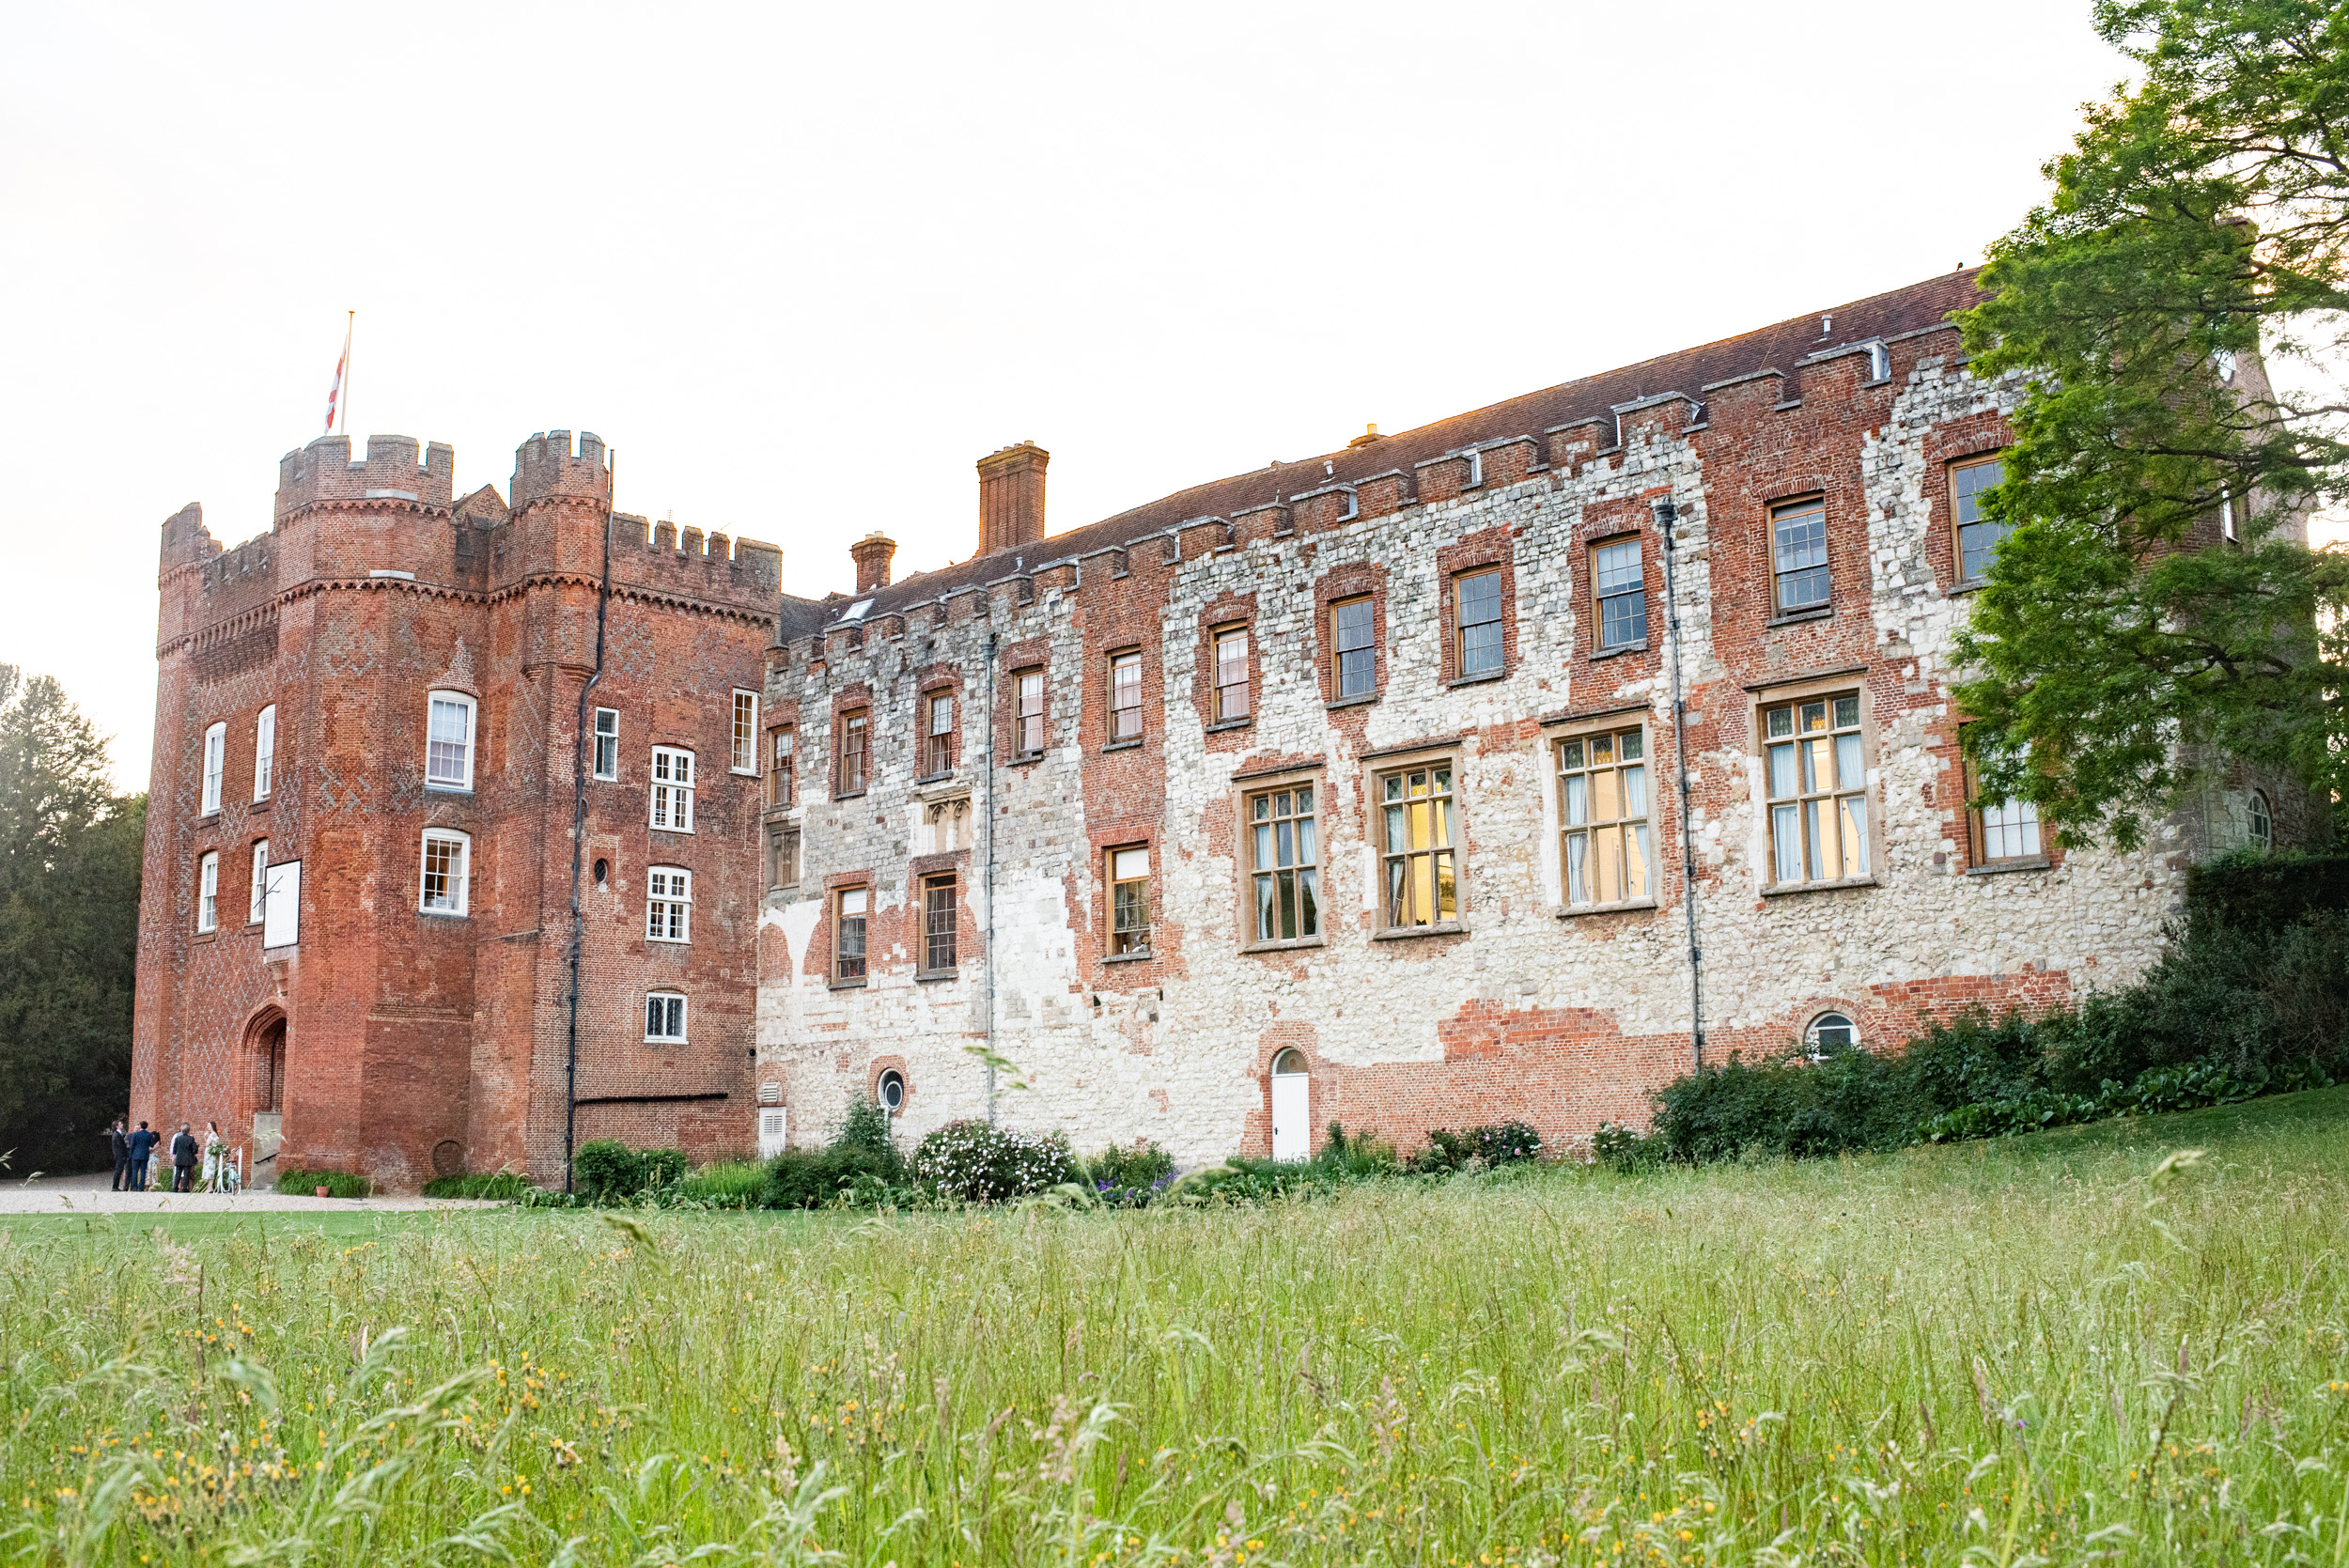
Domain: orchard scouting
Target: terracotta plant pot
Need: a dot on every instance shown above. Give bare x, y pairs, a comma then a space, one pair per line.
325, 1192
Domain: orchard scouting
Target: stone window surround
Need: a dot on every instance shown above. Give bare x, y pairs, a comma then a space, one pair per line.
1246, 788
1945, 447
1554, 807
1376, 768
1798, 688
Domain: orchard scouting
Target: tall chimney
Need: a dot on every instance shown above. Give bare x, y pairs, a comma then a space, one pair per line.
1011, 497
871, 554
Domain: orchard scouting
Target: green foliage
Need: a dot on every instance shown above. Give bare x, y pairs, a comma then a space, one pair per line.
837, 1174
868, 1126
1365, 1154
1855, 1101
1478, 1148
338, 1184
973, 1163
504, 1185
725, 1185
69, 857
1130, 1175
1622, 1147
2115, 620
609, 1171
2252, 890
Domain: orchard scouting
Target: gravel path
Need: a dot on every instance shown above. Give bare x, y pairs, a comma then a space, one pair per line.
91, 1195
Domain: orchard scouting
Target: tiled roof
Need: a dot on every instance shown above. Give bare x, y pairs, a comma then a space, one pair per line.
1783, 348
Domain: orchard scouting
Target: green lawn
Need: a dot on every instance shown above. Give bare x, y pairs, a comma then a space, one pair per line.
2030, 1350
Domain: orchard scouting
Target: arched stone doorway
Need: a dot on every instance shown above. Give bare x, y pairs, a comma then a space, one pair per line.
265, 1057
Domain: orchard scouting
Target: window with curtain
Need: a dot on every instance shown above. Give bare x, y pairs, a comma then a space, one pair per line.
1604, 852
1817, 790
1417, 851
1285, 863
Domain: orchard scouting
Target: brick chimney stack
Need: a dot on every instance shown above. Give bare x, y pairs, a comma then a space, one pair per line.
871, 554
1011, 497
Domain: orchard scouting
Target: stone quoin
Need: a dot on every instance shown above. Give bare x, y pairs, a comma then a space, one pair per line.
1342, 790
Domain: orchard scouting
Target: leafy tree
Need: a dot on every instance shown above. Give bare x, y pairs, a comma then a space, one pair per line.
2194, 238
69, 854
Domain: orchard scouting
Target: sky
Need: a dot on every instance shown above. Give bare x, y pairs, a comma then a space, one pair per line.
800, 266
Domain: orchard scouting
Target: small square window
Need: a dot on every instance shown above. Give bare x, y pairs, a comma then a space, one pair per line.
665, 1019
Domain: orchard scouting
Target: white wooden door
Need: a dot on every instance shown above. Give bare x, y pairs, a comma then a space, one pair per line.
1292, 1116
772, 1137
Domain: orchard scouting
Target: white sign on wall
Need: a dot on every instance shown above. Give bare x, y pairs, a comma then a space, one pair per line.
280, 906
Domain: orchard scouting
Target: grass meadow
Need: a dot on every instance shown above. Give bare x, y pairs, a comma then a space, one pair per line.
2063, 1348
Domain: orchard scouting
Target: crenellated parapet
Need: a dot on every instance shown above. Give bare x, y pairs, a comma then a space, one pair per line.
547, 467
323, 471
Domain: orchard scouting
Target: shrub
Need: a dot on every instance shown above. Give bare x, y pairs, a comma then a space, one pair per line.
978, 1164
723, 1185
868, 1126
1620, 1146
837, 1173
1494, 1143
506, 1185
1365, 1154
1858, 1100
1130, 1177
338, 1184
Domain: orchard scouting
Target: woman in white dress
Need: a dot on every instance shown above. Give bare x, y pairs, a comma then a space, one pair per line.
215, 1151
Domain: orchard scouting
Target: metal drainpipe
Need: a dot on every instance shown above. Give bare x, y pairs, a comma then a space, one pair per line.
1666, 516
986, 873
578, 831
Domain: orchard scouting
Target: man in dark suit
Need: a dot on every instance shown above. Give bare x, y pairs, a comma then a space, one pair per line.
184, 1155
142, 1144
118, 1145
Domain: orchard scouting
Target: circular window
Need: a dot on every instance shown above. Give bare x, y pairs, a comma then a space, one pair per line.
891, 1091
2262, 822
1288, 1063
1829, 1034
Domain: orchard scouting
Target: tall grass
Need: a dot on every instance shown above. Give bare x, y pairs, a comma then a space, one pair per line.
2057, 1348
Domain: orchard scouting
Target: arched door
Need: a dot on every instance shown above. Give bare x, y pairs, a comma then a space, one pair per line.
1292, 1107
269, 1083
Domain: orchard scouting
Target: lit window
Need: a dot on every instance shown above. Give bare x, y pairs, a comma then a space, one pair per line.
256, 891
782, 769
938, 734
1477, 602
1829, 1034
445, 854
1977, 536
1031, 684
668, 905
1798, 546
665, 1019
1129, 900
847, 945
215, 756
1422, 879
783, 856
1603, 813
1620, 591
1354, 661
607, 743
1817, 791
672, 789
742, 754
1125, 696
1286, 864
853, 735
2005, 829
448, 742
1231, 675
264, 751
938, 922
207, 890
2262, 822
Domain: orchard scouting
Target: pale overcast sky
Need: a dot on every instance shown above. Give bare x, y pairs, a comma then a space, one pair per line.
802, 265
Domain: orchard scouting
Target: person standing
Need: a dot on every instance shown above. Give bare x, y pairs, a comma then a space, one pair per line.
183, 1157
118, 1145
141, 1145
215, 1150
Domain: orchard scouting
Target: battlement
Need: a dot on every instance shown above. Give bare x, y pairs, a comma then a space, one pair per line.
323, 471
545, 466
186, 541
655, 556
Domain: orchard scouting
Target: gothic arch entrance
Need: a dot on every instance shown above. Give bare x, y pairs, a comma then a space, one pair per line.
265, 1060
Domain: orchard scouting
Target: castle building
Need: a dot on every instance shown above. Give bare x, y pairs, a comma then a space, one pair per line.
1349, 789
